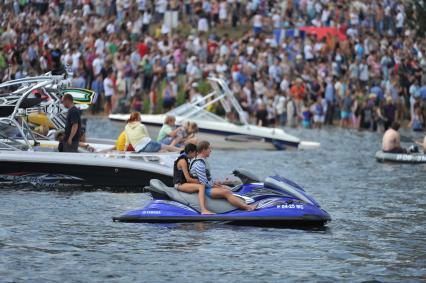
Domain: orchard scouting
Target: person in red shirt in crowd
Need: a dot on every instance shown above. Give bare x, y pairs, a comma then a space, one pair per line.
298, 92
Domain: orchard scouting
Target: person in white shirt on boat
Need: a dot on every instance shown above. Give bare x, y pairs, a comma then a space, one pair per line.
109, 92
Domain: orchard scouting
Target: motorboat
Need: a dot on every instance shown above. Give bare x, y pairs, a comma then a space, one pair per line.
221, 133
27, 157
106, 171
413, 158
280, 203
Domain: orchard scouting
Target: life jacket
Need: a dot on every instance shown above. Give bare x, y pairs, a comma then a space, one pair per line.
208, 174
178, 176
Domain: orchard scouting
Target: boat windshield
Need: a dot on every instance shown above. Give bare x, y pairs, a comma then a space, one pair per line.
193, 112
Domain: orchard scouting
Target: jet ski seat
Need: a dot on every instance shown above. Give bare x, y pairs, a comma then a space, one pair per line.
214, 205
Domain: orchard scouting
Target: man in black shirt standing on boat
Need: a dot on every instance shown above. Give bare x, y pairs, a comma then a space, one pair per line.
72, 126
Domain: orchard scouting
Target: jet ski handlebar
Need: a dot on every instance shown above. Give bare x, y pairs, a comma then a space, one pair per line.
245, 176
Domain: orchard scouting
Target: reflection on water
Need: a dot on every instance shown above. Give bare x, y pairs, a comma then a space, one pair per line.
377, 232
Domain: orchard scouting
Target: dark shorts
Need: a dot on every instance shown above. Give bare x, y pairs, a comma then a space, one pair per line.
257, 30
169, 102
73, 147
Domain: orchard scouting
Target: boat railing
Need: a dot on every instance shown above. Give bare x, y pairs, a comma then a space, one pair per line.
222, 94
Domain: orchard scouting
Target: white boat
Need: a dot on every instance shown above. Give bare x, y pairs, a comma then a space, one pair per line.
220, 132
28, 158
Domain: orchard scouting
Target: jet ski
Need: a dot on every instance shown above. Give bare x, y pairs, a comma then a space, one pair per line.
280, 203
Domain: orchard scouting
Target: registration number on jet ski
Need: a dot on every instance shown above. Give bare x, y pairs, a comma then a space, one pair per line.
297, 206
151, 212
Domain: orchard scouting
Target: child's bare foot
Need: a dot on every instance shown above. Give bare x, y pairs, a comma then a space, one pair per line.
205, 211
251, 207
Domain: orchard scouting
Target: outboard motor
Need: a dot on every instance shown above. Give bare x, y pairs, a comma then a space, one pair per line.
245, 176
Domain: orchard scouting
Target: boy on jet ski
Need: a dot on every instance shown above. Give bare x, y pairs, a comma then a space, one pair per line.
200, 170
183, 180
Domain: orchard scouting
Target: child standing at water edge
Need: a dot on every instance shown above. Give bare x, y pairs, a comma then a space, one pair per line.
319, 114
346, 108
306, 116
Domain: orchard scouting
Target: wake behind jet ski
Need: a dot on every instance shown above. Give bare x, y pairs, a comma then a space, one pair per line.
280, 203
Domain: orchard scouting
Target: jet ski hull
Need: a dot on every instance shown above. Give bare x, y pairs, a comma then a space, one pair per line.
278, 222
275, 207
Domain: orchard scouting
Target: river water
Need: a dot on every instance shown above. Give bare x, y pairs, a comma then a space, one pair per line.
377, 233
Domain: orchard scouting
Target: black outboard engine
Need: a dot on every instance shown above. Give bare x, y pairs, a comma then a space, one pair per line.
245, 176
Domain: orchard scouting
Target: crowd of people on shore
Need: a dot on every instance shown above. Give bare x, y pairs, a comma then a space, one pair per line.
289, 63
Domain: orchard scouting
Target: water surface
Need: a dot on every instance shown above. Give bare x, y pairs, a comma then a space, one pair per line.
377, 232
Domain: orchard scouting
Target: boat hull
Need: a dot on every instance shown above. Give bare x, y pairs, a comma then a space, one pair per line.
220, 138
413, 158
68, 171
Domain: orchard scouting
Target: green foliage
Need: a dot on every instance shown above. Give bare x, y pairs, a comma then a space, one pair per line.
204, 87
416, 16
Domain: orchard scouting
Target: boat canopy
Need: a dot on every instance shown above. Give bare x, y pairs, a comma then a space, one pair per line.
42, 94
197, 113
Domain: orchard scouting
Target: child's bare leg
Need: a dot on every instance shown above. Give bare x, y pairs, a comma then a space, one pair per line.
165, 147
219, 192
193, 140
176, 141
202, 199
196, 188
188, 188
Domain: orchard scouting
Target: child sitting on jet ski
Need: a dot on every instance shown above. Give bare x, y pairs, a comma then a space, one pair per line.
201, 171
183, 180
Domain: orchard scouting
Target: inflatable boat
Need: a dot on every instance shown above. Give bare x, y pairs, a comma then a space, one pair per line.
280, 203
400, 157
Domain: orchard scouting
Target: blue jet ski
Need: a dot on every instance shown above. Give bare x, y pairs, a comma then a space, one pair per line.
280, 203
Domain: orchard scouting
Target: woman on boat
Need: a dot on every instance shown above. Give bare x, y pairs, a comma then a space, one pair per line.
137, 135
182, 179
